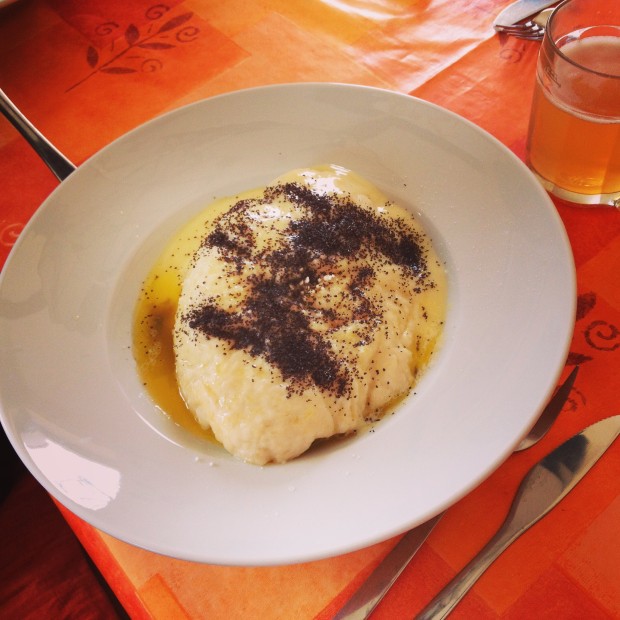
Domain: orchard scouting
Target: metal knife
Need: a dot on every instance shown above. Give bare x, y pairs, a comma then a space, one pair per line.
519, 10
544, 486
370, 593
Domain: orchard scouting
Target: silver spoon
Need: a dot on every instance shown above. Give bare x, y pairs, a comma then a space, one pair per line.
55, 160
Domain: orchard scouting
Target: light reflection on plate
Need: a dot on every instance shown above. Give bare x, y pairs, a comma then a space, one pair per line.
87, 483
69, 287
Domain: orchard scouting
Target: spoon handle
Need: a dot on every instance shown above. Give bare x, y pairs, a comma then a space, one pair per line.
55, 160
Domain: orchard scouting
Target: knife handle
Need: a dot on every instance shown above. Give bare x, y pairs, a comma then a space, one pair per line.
458, 587
543, 487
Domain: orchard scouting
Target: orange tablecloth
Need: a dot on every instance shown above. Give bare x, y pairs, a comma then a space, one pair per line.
75, 68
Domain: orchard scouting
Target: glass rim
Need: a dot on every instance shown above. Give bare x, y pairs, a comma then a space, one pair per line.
558, 50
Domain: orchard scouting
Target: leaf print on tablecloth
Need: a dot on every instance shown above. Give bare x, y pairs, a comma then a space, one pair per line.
118, 70
577, 359
132, 34
175, 22
155, 46
585, 303
154, 39
92, 56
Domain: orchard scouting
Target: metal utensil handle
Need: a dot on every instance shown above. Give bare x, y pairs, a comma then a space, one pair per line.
367, 597
55, 160
450, 596
372, 591
543, 487
443, 604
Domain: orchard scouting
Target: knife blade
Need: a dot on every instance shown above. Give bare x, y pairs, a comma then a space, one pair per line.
544, 486
519, 10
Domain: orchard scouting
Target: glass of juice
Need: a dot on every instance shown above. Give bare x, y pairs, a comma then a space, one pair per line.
573, 142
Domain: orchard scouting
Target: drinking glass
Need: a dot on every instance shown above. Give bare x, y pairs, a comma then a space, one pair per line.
573, 142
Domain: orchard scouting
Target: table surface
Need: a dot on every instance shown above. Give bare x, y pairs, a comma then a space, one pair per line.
66, 62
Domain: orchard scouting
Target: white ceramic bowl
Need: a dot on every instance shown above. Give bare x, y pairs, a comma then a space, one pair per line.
78, 416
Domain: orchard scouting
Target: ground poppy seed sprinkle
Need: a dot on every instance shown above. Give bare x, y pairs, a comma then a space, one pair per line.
307, 309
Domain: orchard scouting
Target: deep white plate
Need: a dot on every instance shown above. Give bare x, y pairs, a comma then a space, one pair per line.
80, 419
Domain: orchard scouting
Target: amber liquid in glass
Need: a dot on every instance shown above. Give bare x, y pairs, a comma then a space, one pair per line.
578, 151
